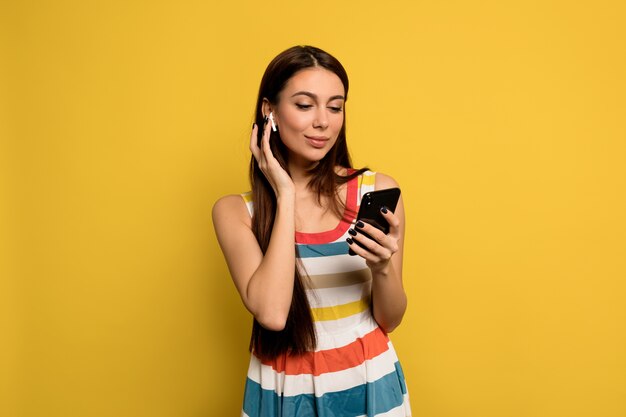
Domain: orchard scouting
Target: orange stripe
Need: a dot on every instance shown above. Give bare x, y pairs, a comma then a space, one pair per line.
332, 360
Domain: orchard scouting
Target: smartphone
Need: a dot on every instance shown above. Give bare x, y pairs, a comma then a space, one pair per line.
369, 211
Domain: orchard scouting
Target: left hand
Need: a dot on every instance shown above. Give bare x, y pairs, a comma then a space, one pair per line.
381, 247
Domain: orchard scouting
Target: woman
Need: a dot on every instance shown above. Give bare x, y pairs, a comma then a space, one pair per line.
321, 317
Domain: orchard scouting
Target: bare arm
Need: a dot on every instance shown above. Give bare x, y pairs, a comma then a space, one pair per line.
384, 258
265, 283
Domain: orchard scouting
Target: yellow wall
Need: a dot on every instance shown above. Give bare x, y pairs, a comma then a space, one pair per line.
123, 121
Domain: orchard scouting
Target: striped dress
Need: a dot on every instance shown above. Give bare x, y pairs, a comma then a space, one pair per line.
354, 370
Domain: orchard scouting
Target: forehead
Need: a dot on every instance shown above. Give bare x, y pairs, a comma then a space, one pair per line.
319, 81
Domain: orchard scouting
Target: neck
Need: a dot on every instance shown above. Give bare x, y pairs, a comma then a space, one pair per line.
301, 173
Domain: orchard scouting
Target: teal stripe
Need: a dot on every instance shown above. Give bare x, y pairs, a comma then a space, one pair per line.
325, 249
401, 376
371, 399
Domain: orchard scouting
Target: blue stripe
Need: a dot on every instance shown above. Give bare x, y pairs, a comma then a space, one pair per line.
401, 376
371, 399
325, 249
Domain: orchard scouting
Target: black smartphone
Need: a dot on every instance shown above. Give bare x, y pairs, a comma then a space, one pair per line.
369, 211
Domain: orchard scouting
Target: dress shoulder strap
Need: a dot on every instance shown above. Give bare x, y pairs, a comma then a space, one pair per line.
367, 183
247, 198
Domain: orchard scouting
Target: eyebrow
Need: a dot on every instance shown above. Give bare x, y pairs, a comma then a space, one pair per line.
313, 96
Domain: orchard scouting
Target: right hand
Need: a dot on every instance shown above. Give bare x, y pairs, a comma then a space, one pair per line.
278, 178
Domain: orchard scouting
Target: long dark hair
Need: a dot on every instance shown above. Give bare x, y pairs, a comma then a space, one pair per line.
298, 336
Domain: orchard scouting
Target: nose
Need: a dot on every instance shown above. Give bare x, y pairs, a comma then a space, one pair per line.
321, 119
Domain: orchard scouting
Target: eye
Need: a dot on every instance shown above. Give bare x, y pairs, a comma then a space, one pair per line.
303, 106
335, 109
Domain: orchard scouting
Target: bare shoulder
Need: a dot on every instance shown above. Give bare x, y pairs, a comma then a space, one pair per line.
229, 209
384, 181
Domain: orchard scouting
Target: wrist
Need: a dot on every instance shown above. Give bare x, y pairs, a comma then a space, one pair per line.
285, 197
381, 271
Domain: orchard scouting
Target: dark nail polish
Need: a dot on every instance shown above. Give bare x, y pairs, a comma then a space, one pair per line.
253, 124
352, 232
360, 224
264, 120
383, 209
349, 240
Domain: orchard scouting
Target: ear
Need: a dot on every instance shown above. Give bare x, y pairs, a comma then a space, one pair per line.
266, 107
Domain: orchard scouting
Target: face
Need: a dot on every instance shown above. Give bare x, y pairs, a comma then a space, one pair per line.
309, 114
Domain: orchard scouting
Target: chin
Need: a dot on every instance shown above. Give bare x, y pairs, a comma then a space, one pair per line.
311, 157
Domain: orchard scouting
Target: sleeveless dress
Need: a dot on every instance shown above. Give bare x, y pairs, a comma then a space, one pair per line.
354, 370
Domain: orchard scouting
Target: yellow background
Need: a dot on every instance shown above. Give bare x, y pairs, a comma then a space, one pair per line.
123, 121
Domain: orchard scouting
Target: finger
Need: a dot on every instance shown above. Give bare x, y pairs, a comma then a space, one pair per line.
265, 153
375, 248
376, 234
265, 140
363, 253
392, 219
388, 241
253, 142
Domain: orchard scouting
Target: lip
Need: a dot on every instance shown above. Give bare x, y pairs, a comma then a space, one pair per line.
317, 141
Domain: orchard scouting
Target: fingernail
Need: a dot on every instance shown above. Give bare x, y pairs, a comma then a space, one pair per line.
352, 232
360, 224
349, 240
253, 124
383, 209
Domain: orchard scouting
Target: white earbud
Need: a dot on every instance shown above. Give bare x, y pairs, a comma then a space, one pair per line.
271, 117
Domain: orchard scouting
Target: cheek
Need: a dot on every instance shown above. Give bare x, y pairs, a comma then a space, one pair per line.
301, 124
338, 122
294, 120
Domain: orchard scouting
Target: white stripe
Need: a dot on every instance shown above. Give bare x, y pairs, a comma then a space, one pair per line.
329, 297
331, 331
341, 336
289, 385
365, 187
333, 264
249, 204
368, 371
265, 376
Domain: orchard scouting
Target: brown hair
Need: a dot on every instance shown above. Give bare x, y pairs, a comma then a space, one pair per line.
298, 336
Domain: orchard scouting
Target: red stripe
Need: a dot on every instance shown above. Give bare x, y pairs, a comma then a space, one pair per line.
349, 214
332, 360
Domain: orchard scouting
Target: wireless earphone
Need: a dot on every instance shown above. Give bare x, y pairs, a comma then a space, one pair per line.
271, 117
